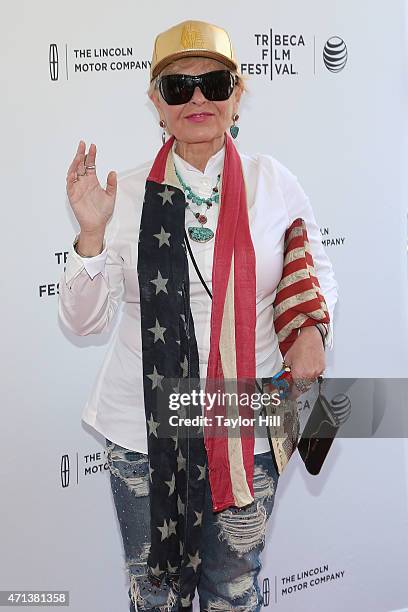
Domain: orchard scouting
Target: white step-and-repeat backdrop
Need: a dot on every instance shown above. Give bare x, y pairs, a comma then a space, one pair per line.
79, 70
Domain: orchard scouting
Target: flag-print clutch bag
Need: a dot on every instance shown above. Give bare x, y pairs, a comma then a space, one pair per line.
298, 303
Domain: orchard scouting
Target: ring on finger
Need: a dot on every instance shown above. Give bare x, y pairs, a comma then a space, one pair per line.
90, 167
304, 384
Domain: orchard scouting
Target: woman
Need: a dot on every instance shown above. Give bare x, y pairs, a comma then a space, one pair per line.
192, 509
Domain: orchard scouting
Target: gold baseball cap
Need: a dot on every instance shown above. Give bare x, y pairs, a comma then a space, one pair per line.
192, 38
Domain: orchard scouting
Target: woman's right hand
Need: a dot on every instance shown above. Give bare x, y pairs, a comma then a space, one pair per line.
92, 205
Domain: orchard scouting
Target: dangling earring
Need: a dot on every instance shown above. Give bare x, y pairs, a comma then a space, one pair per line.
234, 129
163, 125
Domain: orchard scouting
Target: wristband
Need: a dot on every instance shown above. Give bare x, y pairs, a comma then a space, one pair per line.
323, 330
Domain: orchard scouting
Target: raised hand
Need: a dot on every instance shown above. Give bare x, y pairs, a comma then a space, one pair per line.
92, 205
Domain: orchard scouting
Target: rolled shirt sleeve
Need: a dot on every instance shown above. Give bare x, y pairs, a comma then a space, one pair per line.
93, 265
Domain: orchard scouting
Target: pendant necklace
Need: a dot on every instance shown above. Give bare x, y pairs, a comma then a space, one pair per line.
200, 233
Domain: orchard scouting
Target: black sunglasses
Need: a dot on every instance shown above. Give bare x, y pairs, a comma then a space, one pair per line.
216, 86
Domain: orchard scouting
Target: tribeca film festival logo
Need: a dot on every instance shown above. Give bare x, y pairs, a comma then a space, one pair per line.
302, 580
288, 55
50, 289
84, 466
63, 60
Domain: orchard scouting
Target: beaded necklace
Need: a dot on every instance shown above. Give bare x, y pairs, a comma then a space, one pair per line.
200, 233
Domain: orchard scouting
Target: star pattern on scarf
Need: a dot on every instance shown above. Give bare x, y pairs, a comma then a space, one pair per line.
185, 601
171, 568
184, 366
180, 505
169, 358
163, 237
202, 472
156, 378
158, 332
194, 561
166, 195
171, 484
164, 530
153, 425
199, 516
172, 527
175, 438
156, 570
160, 283
181, 462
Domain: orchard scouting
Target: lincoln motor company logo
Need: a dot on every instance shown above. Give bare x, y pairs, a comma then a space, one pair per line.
305, 579
266, 589
53, 62
65, 471
82, 60
82, 466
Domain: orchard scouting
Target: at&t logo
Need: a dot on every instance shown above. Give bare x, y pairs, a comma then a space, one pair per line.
335, 54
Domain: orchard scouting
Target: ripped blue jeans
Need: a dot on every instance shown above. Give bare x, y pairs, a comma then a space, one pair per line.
233, 539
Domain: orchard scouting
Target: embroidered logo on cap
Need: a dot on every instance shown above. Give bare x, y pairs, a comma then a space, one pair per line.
192, 38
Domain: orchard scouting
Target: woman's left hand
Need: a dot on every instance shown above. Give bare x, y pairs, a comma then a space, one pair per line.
306, 358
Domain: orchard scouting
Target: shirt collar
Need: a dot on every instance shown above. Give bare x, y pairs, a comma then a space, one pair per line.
212, 169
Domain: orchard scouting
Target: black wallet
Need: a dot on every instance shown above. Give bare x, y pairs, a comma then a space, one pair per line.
319, 432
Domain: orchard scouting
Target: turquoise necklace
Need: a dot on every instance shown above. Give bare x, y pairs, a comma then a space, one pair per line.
200, 233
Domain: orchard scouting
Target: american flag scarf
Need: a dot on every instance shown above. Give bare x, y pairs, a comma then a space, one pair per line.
179, 465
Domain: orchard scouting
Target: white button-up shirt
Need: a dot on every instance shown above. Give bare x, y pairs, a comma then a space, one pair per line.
92, 288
